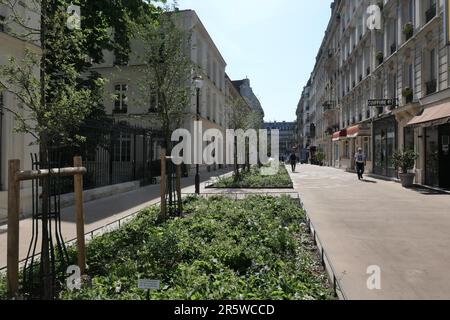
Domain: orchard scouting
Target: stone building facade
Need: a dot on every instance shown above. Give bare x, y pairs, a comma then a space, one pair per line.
381, 83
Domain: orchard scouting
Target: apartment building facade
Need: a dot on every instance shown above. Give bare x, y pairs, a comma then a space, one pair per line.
14, 145
124, 101
288, 143
381, 83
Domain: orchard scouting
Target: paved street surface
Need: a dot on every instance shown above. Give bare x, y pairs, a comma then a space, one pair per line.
404, 232
99, 213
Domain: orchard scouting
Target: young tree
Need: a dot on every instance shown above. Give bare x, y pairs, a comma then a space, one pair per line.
167, 78
238, 116
167, 71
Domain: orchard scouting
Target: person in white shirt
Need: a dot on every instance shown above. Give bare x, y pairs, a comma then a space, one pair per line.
360, 159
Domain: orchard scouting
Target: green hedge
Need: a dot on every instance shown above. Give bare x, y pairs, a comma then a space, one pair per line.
254, 179
256, 248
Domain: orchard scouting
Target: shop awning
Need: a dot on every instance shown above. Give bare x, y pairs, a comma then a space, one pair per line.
339, 135
432, 116
358, 131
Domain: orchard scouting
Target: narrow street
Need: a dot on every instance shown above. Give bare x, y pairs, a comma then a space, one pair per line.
378, 223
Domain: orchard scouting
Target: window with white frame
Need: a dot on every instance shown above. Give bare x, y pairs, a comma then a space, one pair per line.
122, 149
121, 98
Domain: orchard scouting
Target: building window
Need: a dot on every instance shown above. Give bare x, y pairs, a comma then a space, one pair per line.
121, 99
153, 103
431, 84
366, 148
430, 12
409, 138
2, 23
122, 149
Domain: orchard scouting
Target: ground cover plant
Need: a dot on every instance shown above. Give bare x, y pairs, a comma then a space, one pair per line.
257, 248
254, 179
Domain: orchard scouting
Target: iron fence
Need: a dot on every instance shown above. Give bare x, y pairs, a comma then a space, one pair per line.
113, 153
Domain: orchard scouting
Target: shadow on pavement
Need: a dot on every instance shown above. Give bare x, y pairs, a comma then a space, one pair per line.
369, 181
428, 191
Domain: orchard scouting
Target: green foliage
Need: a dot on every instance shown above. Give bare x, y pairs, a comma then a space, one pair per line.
56, 90
407, 92
404, 160
167, 70
222, 249
3, 289
320, 156
408, 30
254, 179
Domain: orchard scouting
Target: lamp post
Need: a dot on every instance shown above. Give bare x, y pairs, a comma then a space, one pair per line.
198, 80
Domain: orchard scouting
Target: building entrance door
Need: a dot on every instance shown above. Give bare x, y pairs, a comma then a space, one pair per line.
432, 157
444, 156
384, 147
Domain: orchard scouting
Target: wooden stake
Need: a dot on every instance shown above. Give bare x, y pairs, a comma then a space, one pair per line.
163, 185
78, 188
178, 186
13, 228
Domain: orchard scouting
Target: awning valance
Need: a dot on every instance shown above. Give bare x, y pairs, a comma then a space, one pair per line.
339, 135
358, 131
432, 116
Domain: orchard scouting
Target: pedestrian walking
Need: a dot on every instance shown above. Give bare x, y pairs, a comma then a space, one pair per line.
293, 160
360, 159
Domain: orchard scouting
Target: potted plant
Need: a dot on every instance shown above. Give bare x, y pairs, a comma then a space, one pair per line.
320, 157
405, 161
380, 57
408, 94
408, 30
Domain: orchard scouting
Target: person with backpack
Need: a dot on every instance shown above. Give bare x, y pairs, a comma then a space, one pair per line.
360, 159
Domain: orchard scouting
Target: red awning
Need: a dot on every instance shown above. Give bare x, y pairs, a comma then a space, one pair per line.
339, 135
432, 116
358, 131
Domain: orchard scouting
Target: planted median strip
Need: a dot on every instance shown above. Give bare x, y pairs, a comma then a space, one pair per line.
253, 179
257, 248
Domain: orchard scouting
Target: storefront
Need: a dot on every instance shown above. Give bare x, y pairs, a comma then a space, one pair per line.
433, 125
336, 141
360, 137
384, 146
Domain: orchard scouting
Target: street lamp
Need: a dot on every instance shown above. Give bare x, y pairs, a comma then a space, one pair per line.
198, 81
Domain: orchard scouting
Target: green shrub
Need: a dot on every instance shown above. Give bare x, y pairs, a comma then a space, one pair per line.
254, 179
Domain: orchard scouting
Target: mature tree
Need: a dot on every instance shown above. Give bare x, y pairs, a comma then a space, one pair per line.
57, 99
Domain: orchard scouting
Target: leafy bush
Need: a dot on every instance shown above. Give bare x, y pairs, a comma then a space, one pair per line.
254, 179
404, 160
3, 289
256, 248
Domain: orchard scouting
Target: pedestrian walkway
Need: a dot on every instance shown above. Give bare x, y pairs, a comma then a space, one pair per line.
100, 213
406, 233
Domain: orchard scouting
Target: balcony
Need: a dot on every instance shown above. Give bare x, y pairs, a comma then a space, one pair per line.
430, 13
122, 110
430, 87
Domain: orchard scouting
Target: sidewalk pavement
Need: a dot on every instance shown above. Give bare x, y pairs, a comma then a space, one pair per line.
101, 212
366, 223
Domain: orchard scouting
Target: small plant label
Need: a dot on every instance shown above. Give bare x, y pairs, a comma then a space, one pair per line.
147, 284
